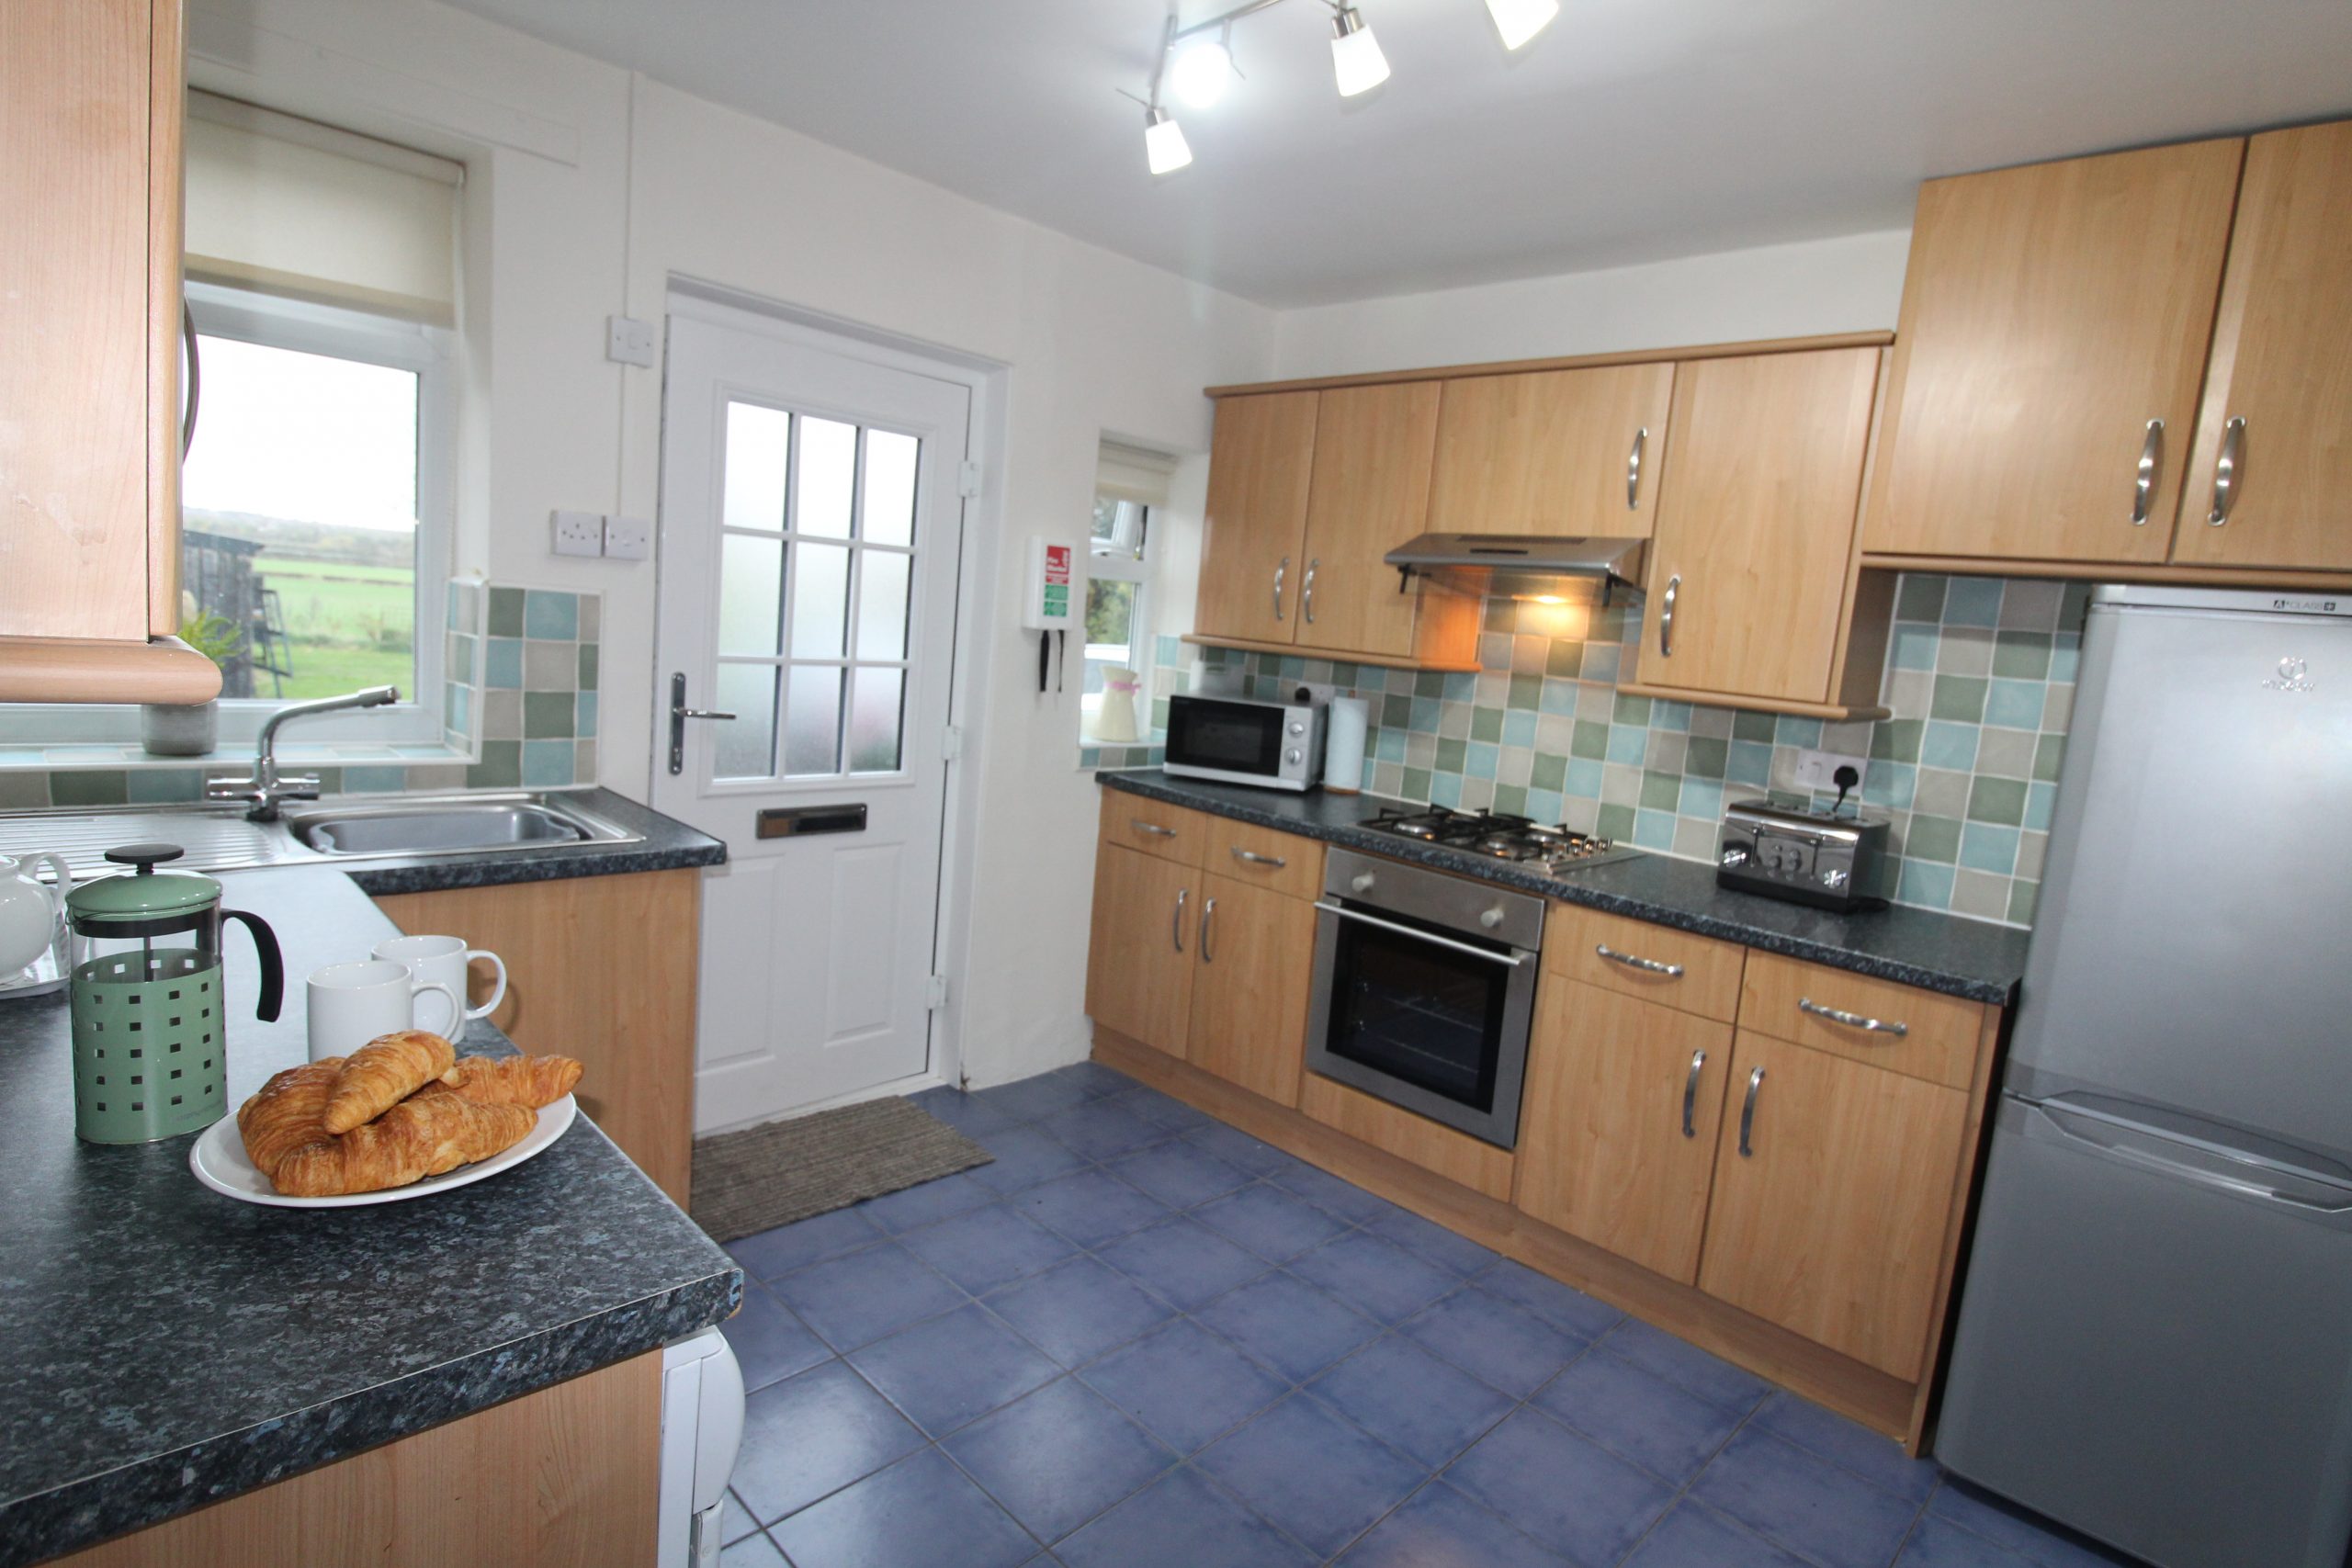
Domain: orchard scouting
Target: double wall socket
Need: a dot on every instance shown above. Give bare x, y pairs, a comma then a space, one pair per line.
603, 534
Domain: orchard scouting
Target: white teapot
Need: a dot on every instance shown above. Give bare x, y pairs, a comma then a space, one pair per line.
31, 914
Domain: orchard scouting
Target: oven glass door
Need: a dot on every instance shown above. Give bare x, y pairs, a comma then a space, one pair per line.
1419, 1013
1234, 738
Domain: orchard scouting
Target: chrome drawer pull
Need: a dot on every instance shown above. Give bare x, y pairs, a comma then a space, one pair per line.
2225, 473
1853, 1020
1647, 966
1251, 857
1279, 572
1306, 592
1748, 1113
1176, 927
1208, 918
1690, 1093
1633, 471
1665, 616
2152, 452
1154, 829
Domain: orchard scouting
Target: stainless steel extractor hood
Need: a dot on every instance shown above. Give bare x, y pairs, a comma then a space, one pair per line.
1518, 565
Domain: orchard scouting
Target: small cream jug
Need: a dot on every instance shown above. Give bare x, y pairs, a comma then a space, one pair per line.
30, 913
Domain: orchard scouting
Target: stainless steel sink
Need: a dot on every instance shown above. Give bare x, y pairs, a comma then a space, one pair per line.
447, 826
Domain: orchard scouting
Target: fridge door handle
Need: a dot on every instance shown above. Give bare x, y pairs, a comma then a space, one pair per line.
2147, 1150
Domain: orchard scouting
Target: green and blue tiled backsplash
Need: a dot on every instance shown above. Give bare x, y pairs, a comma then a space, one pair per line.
1980, 677
519, 709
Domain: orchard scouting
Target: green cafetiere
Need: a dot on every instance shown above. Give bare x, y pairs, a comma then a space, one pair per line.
149, 1021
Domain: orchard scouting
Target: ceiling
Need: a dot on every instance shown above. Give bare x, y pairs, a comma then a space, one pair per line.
1630, 131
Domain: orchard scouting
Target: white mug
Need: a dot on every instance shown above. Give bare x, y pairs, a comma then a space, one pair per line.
442, 959
351, 1004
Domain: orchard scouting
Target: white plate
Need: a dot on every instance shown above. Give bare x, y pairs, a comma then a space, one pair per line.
219, 1161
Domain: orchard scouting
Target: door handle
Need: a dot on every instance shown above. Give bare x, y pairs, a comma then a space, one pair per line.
194, 379
1665, 616
2152, 452
1307, 593
1208, 919
1512, 959
1853, 1020
1176, 926
1691, 1093
679, 714
1748, 1113
1279, 572
2225, 473
1633, 471
1647, 966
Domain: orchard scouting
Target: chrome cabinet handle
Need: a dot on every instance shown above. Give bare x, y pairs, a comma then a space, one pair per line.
1140, 826
1691, 1093
1665, 616
2152, 452
679, 714
1748, 1113
1513, 959
2225, 473
1307, 593
1634, 469
1176, 926
1208, 918
1853, 1020
194, 379
1647, 966
1279, 572
1251, 857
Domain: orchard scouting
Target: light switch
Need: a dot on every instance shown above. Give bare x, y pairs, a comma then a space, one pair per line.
578, 533
628, 341
629, 538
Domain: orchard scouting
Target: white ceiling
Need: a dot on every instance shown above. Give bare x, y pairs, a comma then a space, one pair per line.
1630, 131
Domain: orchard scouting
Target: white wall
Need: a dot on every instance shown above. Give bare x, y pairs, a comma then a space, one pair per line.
1851, 284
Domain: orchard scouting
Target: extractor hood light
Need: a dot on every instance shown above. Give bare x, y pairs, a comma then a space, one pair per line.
1200, 72
1356, 59
1518, 20
1163, 142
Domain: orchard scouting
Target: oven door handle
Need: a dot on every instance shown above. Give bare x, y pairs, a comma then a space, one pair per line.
1512, 959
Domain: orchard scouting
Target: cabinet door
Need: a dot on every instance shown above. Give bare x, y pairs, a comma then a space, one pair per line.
1617, 1142
1832, 1222
2049, 312
1756, 526
1140, 958
1257, 955
1253, 538
1567, 453
1373, 447
2279, 365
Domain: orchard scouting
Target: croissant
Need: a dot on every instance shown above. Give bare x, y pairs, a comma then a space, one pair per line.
534, 1081
416, 1138
287, 1113
382, 1072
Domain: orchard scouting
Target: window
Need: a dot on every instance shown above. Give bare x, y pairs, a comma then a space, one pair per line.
1129, 484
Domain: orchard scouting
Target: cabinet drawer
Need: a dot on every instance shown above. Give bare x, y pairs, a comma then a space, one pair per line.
1601, 949
1169, 832
1263, 857
1925, 1034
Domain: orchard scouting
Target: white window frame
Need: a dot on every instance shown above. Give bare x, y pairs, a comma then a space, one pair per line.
1121, 561
429, 351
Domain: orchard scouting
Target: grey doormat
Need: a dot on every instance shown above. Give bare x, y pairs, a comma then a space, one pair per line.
781, 1172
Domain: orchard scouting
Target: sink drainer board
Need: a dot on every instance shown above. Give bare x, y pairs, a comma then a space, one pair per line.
215, 842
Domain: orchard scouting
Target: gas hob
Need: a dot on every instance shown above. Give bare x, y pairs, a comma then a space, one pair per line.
1497, 835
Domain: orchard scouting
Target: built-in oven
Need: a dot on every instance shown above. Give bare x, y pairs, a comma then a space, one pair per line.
1237, 740
1424, 990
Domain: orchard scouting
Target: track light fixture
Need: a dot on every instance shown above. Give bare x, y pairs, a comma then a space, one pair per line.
1196, 62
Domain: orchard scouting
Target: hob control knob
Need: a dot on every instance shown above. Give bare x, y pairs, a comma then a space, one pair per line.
1362, 882
1490, 919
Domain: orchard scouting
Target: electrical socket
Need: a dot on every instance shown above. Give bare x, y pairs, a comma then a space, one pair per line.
628, 538
578, 533
1818, 769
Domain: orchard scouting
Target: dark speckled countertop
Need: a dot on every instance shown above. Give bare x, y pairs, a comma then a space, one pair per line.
666, 845
1913, 947
167, 1347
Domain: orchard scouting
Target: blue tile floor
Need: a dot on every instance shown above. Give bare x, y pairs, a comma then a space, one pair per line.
1141, 1337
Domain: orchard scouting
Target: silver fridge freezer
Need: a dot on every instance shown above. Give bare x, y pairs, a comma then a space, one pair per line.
2156, 1332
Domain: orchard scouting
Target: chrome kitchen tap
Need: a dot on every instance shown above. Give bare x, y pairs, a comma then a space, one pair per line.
265, 789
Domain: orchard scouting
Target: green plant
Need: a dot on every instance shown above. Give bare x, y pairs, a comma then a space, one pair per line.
215, 637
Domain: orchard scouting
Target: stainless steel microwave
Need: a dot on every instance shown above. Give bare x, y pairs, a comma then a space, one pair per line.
1236, 741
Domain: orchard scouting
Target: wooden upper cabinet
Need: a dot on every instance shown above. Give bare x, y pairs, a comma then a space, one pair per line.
2279, 365
1253, 540
1567, 453
1750, 571
1371, 493
2049, 312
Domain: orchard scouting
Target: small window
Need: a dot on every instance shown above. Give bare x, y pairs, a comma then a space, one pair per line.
1119, 656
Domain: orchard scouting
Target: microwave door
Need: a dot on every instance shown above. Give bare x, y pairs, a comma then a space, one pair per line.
1242, 739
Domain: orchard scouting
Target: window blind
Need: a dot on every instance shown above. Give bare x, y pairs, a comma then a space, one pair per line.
1133, 473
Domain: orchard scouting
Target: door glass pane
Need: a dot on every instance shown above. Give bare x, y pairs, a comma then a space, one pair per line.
827, 476
813, 722
820, 600
873, 722
745, 745
756, 459
751, 594
882, 605
890, 488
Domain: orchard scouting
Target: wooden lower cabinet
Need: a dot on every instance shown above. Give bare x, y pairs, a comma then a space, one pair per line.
1139, 955
1255, 956
1617, 1140
603, 969
1834, 1221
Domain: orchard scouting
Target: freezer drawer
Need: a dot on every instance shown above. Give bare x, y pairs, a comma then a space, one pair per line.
2155, 1346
